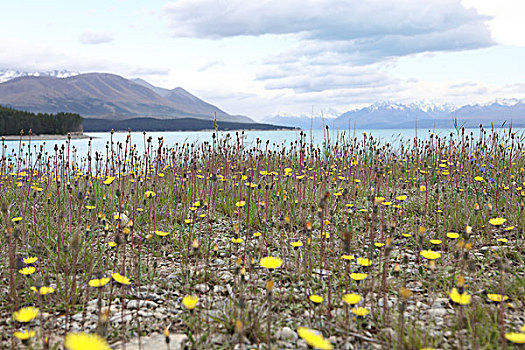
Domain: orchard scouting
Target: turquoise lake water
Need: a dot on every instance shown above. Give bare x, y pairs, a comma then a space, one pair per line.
277, 139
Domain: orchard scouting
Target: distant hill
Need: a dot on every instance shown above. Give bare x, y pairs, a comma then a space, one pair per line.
106, 96
180, 124
13, 121
384, 115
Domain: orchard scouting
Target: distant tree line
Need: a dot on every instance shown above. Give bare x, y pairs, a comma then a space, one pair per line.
12, 121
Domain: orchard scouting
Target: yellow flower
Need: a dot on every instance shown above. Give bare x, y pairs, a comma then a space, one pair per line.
316, 299
430, 254
84, 341
109, 180
26, 314
360, 311
478, 178
257, 234
30, 260
461, 299
435, 241
423, 188
43, 290
98, 282
358, 276
351, 298
112, 244
363, 261
90, 207
518, 338
497, 221
190, 301
240, 204
297, 244
18, 218
121, 279
161, 233
452, 235
315, 340
28, 270
270, 262
149, 194
497, 297
237, 240
348, 257
25, 334
401, 198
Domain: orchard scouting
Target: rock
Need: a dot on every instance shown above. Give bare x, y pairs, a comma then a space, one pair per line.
286, 333
388, 303
202, 288
440, 303
438, 312
218, 262
157, 341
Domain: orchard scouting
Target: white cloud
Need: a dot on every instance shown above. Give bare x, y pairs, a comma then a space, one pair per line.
93, 38
339, 44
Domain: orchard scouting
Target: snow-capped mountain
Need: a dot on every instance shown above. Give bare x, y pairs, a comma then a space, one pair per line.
8, 74
428, 115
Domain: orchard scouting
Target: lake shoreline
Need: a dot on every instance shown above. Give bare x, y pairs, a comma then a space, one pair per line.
44, 137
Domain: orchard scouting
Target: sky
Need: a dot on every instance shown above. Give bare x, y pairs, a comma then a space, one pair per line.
290, 57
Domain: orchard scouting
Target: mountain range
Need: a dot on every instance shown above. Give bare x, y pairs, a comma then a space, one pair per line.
387, 115
103, 96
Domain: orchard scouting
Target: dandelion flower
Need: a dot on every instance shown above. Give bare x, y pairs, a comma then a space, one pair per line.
315, 340
257, 234
452, 235
348, 257
297, 244
85, 341
430, 254
271, 262
517, 338
497, 221
237, 240
360, 311
43, 290
30, 260
240, 204
149, 194
98, 282
161, 233
363, 262
109, 180
26, 314
435, 241
351, 298
112, 244
25, 334
18, 218
28, 270
121, 279
401, 198
461, 299
316, 299
358, 276
190, 301
497, 297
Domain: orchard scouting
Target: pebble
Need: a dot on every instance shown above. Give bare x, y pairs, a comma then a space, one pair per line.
286, 333
202, 288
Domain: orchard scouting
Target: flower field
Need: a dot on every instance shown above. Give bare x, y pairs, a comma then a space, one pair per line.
354, 244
